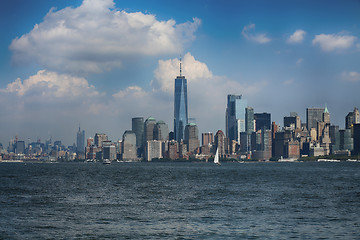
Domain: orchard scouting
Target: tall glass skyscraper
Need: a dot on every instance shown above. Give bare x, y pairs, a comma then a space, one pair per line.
235, 116
180, 107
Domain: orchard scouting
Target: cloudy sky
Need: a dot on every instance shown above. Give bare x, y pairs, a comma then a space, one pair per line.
101, 62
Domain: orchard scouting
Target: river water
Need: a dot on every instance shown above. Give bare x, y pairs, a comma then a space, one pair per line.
180, 201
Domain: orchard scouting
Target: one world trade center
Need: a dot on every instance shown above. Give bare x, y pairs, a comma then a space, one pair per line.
180, 106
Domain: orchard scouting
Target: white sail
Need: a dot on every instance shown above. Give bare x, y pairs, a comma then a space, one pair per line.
216, 159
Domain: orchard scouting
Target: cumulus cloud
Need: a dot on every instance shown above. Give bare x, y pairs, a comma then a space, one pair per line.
206, 93
95, 37
167, 71
51, 85
331, 42
247, 32
297, 37
351, 76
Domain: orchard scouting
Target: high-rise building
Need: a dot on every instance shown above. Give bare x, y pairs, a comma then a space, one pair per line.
220, 143
249, 120
352, 118
108, 150
129, 146
356, 136
292, 120
161, 131
20, 147
263, 121
313, 116
192, 137
137, 126
100, 138
149, 127
235, 117
180, 107
80, 141
207, 138
153, 149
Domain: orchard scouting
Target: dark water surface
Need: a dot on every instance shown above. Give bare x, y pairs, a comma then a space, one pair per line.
180, 201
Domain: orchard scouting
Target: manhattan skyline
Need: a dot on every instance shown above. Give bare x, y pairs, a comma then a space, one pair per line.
100, 63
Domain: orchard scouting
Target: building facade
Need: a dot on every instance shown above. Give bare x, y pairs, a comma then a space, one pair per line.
137, 126
180, 107
235, 117
313, 116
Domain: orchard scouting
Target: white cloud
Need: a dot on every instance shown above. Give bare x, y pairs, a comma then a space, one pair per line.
51, 84
167, 71
297, 36
95, 37
351, 76
206, 93
331, 42
258, 38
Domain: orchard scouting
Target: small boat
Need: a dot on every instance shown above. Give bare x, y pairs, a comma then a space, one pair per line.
216, 159
106, 161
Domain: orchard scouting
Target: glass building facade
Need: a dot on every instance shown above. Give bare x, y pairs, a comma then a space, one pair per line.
235, 117
313, 116
180, 107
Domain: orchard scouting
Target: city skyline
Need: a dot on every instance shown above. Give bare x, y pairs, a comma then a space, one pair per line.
60, 68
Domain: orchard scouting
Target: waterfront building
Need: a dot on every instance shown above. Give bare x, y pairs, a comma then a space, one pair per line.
161, 131
262, 120
153, 150
356, 136
292, 149
108, 150
313, 116
220, 143
180, 106
137, 126
192, 137
129, 146
235, 117
343, 141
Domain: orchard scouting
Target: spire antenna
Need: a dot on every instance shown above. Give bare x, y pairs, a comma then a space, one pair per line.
180, 65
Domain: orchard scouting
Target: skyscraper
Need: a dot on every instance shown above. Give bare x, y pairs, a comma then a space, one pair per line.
149, 127
263, 121
192, 137
313, 116
207, 138
352, 118
235, 117
137, 126
356, 134
180, 106
161, 131
80, 141
129, 146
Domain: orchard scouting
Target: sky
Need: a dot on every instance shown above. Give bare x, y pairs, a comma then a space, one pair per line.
99, 63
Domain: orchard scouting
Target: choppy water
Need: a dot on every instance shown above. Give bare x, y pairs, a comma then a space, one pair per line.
180, 201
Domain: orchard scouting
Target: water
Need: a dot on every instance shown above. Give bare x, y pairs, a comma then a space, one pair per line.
180, 201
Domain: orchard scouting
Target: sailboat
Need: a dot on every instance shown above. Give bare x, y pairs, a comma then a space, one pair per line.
216, 159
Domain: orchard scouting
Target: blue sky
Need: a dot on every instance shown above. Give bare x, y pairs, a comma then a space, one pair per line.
100, 63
